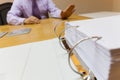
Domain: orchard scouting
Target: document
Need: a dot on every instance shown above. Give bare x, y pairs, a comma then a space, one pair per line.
19, 32
102, 57
3, 34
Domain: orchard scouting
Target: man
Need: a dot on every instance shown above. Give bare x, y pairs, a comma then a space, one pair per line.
31, 11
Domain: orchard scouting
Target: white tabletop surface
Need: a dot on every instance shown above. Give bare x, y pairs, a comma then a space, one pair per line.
44, 60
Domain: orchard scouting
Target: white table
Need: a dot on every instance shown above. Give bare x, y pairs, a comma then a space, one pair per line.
44, 60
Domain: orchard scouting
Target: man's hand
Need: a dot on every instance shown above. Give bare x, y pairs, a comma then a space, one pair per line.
32, 20
67, 12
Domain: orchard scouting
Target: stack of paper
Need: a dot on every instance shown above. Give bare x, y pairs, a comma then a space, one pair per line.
102, 57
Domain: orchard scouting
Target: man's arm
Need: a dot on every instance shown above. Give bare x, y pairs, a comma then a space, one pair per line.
13, 16
55, 12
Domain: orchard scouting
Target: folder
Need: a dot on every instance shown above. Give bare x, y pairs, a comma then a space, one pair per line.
102, 56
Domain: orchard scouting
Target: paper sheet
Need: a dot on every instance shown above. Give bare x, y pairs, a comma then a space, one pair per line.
19, 32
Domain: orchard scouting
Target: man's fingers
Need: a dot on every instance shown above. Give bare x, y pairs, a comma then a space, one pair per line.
73, 10
32, 20
68, 12
70, 8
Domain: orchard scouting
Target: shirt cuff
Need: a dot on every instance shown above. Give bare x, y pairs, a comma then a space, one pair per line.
56, 14
21, 21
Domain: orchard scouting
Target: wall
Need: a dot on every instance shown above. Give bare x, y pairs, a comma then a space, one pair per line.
2, 1
83, 6
116, 5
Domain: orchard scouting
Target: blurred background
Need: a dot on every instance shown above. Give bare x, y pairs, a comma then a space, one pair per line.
87, 6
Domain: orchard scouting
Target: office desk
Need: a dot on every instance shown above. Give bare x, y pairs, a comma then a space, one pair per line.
39, 32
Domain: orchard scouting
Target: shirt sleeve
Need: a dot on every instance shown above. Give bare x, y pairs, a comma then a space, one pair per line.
13, 16
53, 10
